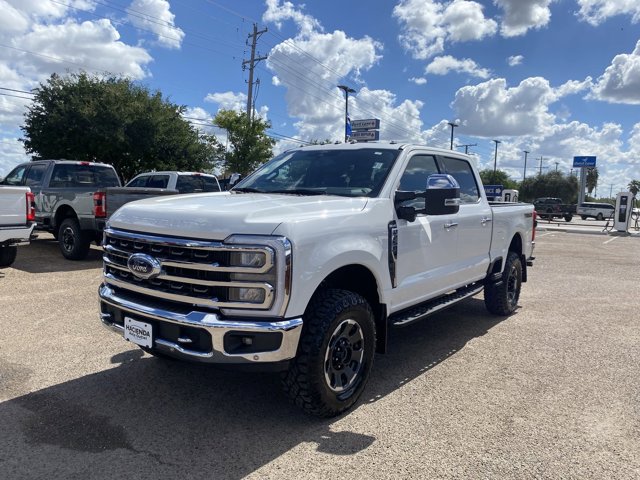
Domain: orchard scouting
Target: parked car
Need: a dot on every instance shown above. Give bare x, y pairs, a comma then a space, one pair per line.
308, 263
599, 211
549, 208
17, 221
152, 184
65, 200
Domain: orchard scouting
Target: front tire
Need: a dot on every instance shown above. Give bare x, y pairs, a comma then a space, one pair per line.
583, 217
335, 354
7, 256
568, 217
74, 243
502, 298
600, 217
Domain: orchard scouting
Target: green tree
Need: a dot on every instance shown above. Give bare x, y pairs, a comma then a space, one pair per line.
499, 177
551, 184
249, 144
634, 187
592, 179
114, 121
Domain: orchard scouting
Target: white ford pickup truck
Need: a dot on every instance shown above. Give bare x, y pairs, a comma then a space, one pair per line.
17, 221
308, 263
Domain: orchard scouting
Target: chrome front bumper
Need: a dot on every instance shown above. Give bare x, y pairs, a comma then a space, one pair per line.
211, 323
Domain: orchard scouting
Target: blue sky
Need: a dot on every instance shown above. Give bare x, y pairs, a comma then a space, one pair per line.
557, 78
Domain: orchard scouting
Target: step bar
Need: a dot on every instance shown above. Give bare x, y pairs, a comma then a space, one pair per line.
423, 310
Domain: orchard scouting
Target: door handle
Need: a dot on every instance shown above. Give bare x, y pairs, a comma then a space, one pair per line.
485, 220
450, 225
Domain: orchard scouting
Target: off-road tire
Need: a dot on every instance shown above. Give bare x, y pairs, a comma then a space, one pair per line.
7, 256
307, 380
74, 243
502, 298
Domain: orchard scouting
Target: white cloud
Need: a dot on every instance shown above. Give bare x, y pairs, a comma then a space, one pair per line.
597, 11
522, 15
311, 80
236, 101
92, 46
428, 24
155, 15
278, 12
620, 82
445, 64
514, 60
418, 80
492, 109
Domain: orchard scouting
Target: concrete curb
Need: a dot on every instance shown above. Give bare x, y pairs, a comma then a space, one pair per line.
585, 231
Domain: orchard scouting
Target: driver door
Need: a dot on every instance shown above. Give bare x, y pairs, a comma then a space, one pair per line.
427, 247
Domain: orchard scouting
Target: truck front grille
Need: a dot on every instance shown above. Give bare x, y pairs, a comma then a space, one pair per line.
201, 273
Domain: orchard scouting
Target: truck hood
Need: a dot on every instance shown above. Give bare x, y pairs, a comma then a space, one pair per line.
215, 216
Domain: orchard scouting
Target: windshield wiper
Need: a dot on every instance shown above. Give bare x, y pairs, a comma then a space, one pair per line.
299, 191
247, 190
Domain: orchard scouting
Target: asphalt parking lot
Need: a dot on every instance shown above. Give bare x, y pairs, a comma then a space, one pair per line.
550, 392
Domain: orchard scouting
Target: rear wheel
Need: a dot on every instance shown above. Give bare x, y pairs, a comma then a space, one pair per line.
568, 217
502, 298
335, 354
7, 256
74, 243
600, 217
584, 217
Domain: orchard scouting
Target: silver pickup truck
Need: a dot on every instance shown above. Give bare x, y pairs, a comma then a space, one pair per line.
17, 221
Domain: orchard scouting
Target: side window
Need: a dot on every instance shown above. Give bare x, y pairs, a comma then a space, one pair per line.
158, 181
61, 176
211, 184
16, 176
463, 173
188, 184
36, 174
139, 182
414, 178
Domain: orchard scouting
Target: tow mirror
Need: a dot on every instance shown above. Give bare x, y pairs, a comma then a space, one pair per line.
442, 196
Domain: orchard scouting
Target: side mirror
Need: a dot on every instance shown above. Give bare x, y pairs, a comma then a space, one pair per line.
442, 196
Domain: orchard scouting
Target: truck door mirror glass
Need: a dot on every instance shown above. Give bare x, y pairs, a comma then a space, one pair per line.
442, 196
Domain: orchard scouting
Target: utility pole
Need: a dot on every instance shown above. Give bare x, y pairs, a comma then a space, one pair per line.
252, 63
557, 165
495, 158
611, 191
524, 172
453, 125
540, 166
466, 146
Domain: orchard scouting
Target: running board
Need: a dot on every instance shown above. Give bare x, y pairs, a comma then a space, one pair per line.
425, 309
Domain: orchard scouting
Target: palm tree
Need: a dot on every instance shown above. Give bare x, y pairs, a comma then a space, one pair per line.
634, 187
592, 179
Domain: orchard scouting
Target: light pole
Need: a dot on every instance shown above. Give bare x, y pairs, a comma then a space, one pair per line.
495, 158
347, 91
453, 125
524, 172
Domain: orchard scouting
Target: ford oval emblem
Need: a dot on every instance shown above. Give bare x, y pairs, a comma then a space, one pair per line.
144, 266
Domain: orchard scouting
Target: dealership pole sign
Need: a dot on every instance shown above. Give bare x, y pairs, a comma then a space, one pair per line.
365, 130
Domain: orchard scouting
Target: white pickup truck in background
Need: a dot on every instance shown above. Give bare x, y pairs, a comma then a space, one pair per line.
308, 264
17, 221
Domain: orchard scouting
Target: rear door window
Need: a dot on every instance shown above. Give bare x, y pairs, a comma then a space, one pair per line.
158, 181
35, 175
211, 184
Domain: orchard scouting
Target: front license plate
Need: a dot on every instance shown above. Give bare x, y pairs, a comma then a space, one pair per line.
140, 333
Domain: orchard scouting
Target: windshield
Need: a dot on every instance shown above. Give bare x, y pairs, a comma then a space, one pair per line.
348, 172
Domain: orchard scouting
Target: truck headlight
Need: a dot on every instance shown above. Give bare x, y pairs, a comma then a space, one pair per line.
248, 259
247, 295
